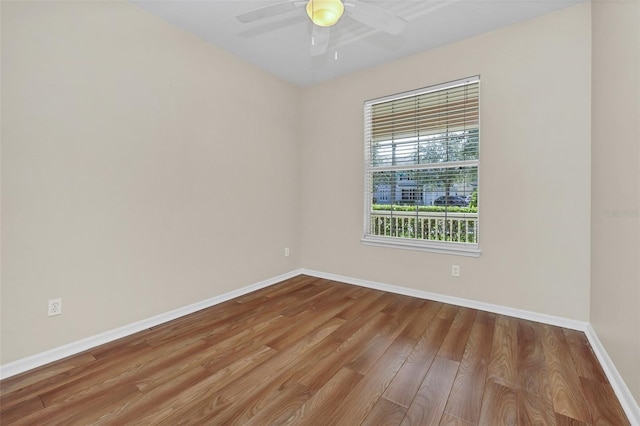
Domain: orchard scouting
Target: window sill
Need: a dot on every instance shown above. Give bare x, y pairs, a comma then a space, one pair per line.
456, 249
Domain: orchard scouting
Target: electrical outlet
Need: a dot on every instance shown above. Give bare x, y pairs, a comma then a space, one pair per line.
455, 270
286, 251
55, 307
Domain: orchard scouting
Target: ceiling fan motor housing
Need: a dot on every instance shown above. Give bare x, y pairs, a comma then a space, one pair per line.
325, 13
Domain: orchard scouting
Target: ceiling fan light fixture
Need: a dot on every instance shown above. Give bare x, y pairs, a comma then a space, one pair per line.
325, 13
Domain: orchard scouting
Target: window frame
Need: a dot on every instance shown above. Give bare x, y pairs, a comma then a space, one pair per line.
446, 247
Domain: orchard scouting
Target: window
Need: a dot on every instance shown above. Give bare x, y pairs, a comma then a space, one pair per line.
421, 169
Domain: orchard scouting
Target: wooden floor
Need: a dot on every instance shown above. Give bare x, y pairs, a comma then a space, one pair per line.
318, 352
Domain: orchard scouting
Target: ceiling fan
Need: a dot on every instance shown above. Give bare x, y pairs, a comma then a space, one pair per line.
326, 13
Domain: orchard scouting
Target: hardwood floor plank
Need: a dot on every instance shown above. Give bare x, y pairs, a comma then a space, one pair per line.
403, 304
122, 346
405, 384
419, 324
227, 350
449, 420
566, 390
130, 370
208, 408
159, 399
203, 399
263, 404
324, 327
278, 290
319, 314
585, 360
503, 368
610, 413
209, 362
535, 404
213, 357
94, 407
343, 345
374, 301
385, 413
249, 393
465, 400
253, 388
317, 296
381, 341
534, 410
74, 375
499, 405
427, 407
40, 374
230, 315
271, 307
306, 322
22, 409
145, 366
329, 395
568, 421
287, 399
359, 402
234, 318
456, 340
333, 353
310, 351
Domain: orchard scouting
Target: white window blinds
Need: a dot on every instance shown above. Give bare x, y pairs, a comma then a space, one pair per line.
421, 168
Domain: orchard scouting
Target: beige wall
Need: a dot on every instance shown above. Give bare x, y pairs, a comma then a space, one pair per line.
535, 169
615, 294
142, 170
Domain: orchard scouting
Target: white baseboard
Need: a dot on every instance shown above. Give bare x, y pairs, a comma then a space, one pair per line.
37, 360
630, 406
498, 309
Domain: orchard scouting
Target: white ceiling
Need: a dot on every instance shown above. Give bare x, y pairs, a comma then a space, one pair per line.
281, 45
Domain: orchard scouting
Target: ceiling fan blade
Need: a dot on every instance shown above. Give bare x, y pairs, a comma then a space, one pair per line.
268, 11
375, 17
320, 40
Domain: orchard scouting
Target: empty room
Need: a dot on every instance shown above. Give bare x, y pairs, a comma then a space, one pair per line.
320, 212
